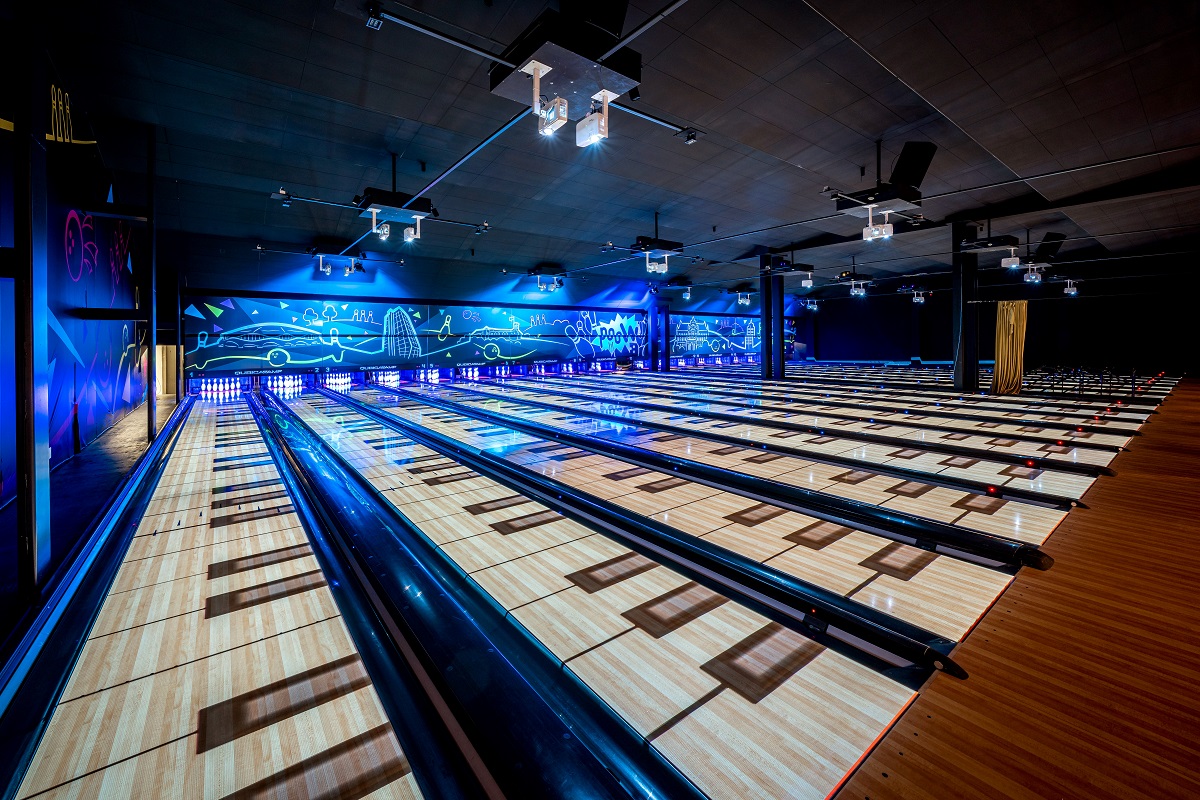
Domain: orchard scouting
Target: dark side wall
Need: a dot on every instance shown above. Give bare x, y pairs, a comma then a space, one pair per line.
1120, 327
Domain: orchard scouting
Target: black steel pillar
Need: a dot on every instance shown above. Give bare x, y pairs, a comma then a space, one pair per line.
652, 335
664, 334
914, 336
178, 339
28, 76
778, 346
964, 272
766, 309
152, 235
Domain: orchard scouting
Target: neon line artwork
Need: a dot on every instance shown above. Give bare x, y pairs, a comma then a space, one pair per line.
238, 334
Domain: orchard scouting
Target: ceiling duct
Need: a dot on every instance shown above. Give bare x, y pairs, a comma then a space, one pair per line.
901, 193
1048, 248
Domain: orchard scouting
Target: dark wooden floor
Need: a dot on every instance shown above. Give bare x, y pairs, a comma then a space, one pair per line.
1085, 680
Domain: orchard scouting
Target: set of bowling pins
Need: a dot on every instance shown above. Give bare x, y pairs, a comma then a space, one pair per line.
337, 381
282, 382
540, 369
220, 388
427, 376
387, 377
470, 373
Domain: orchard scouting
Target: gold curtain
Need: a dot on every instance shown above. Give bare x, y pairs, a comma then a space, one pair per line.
1011, 316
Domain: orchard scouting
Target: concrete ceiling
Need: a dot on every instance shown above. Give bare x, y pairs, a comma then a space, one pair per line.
251, 96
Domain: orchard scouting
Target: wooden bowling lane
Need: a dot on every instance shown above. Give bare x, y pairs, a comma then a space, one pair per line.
742, 706
965, 410
1003, 404
1148, 389
844, 435
917, 425
683, 434
942, 595
218, 666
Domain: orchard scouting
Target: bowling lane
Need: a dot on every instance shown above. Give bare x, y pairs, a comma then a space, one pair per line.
934, 379
940, 594
917, 426
943, 412
218, 665
704, 679
878, 437
1071, 409
863, 480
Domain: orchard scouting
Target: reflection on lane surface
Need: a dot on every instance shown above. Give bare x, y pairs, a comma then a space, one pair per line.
741, 705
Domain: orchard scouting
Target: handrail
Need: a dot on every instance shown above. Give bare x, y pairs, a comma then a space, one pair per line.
869, 438
825, 616
37, 672
905, 473
430, 740
988, 549
542, 732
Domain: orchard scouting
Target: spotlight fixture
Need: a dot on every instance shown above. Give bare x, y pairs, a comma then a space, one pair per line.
1071, 290
481, 229
552, 286
652, 287
553, 116
687, 293
383, 232
594, 127
873, 232
858, 289
743, 299
807, 283
1034, 275
919, 297
413, 233
654, 267
811, 305
327, 269
1013, 261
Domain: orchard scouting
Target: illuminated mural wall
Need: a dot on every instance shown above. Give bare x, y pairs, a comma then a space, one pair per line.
708, 334
718, 334
96, 375
254, 334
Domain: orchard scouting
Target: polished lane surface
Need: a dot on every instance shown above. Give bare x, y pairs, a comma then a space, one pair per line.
219, 666
741, 705
938, 593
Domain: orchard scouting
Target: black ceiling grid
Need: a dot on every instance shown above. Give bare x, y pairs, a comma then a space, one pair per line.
791, 97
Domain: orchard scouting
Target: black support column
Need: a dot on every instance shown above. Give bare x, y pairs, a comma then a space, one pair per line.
152, 329
965, 266
778, 346
766, 308
664, 335
178, 339
27, 74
